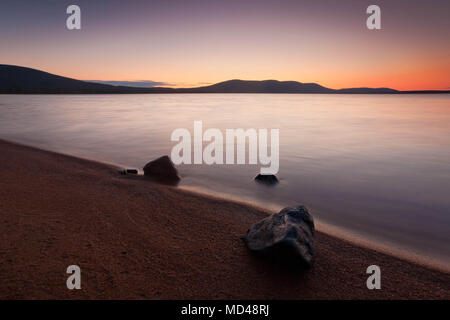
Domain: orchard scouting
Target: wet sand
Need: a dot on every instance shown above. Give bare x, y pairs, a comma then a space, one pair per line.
134, 239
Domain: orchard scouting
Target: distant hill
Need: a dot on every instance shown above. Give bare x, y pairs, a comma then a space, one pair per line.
15, 79
18, 80
265, 86
367, 90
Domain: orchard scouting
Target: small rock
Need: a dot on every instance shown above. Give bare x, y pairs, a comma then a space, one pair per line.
269, 179
162, 170
286, 237
130, 171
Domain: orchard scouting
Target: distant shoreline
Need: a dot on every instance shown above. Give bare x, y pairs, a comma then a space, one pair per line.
23, 80
134, 239
180, 92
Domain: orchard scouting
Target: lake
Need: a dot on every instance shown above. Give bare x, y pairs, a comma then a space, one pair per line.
372, 167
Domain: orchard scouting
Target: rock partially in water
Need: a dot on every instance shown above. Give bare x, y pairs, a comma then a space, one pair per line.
268, 179
286, 237
128, 171
162, 170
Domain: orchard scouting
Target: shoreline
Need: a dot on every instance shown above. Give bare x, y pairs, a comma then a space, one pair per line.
134, 239
335, 231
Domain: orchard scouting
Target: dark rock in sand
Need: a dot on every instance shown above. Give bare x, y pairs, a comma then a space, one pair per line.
128, 171
162, 170
269, 179
286, 237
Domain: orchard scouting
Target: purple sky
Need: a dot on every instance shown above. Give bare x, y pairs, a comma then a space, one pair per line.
185, 43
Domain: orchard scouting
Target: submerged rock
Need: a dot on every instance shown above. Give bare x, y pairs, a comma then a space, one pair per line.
269, 179
287, 237
162, 170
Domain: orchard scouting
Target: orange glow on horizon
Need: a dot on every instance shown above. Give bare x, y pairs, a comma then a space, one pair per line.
187, 45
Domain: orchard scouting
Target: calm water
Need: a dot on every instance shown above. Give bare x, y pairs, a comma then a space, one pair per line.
376, 166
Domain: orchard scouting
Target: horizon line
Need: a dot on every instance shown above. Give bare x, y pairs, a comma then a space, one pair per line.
167, 85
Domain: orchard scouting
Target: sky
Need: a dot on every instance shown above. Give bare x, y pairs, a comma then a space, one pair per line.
186, 43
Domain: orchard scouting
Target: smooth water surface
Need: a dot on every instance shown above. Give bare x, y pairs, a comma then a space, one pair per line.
377, 166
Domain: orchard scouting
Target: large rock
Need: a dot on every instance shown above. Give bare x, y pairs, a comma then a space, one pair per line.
287, 237
162, 170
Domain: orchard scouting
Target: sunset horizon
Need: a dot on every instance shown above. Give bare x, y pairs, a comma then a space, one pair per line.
192, 44
147, 83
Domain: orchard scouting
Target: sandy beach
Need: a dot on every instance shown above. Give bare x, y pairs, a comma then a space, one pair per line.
134, 239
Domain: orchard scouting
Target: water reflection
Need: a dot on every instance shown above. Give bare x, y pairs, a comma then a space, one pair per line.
377, 165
